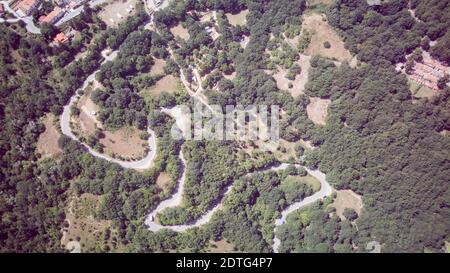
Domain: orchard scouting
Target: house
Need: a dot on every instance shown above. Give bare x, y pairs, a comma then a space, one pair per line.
26, 7
2, 9
51, 18
61, 2
61, 38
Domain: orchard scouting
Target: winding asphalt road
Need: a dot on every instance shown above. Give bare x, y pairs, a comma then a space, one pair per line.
325, 190
176, 200
30, 26
144, 163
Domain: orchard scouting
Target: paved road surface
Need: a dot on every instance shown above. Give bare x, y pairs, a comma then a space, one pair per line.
66, 130
28, 20
75, 12
325, 190
176, 200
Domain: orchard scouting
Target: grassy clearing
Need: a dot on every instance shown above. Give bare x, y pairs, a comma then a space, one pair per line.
116, 12
221, 246
308, 180
317, 110
158, 67
168, 84
347, 199
180, 31
83, 229
323, 32
286, 151
163, 181
47, 144
238, 19
297, 86
122, 143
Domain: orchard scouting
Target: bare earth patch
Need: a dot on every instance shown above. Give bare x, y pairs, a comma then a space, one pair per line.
445, 132
86, 122
237, 19
317, 110
324, 32
286, 151
117, 11
158, 67
347, 199
306, 144
298, 85
47, 144
82, 231
230, 77
167, 84
124, 142
180, 31
163, 181
221, 246
207, 16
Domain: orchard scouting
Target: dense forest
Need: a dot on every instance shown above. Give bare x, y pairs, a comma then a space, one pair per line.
381, 34
436, 16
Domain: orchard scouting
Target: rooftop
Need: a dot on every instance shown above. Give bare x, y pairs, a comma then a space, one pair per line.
52, 15
61, 38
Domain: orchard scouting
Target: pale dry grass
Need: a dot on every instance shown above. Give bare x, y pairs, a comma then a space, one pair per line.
347, 199
47, 144
324, 32
163, 181
298, 84
82, 223
230, 77
116, 8
167, 84
317, 110
124, 142
238, 19
180, 31
221, 246
158, 67
315, 2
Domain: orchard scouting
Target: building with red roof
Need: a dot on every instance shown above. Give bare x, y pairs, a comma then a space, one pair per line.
61, 38
53, 16
26, 7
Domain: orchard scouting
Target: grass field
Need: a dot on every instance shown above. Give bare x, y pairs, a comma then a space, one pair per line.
308, 180
158, 67
122, 143
221, 246
116, 11
238, 19
323, 32
317, 110
163, 181
47, 144
347, 199
168, 84
180, 31
420, 91
84, 229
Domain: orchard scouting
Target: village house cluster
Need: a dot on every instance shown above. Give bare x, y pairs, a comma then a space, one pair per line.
428, 73
25, 8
